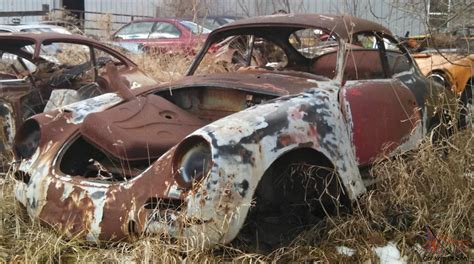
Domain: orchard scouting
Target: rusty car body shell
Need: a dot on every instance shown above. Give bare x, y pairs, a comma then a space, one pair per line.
454, 71
458, 69
18, 93
306, 111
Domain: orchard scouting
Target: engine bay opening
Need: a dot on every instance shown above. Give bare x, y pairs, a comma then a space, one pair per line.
83, 159
212, 103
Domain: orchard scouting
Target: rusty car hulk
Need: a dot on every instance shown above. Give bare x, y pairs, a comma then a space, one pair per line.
455, 72
47, 70
275, 122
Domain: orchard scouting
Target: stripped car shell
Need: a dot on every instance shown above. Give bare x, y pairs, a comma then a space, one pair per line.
454, 71
127, 170
36, 76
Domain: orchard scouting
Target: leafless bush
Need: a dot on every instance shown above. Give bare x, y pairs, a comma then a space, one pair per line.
163, 66
186, 8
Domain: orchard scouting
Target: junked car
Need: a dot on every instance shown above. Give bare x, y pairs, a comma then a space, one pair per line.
213, 22
255, 145
33, 28
47, 70
454, 71
164, 35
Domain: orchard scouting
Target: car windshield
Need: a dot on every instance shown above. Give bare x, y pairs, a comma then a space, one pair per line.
195, 28
275, 49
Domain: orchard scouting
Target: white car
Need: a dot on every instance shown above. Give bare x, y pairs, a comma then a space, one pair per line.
33, 28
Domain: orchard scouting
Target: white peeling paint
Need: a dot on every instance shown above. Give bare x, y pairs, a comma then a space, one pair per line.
99, 103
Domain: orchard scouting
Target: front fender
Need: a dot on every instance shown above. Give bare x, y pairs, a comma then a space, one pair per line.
245, 145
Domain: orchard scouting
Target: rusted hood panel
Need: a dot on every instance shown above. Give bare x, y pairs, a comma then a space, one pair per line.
259, 81
141, 129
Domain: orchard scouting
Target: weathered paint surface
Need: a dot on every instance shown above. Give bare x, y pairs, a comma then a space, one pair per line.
265, 132
311, 120
383, 114
99, 103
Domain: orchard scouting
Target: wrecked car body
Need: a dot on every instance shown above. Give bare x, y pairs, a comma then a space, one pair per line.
39, 72
270, 133
455, 72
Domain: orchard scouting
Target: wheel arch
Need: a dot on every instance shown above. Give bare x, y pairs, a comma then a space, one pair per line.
307, 155
441, 77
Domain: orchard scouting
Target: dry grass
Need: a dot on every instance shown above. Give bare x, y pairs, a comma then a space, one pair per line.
162, 66
167, 66
419, 189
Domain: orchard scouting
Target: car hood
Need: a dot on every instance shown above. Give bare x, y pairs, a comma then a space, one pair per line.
431, 62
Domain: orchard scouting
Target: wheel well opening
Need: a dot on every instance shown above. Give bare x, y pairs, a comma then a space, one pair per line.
441, 78
297, 191
465, 105
467, 93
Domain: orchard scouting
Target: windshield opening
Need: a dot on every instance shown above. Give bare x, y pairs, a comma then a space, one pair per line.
304, 51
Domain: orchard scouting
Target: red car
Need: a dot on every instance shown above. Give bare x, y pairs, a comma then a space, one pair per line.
161, 34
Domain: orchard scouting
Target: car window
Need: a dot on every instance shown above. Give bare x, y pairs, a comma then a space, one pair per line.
102, 58
68, 57
312, 42
242, 52
14, 65
362, 59
397, 61
211, 23
165, 30
138, 30
195, 28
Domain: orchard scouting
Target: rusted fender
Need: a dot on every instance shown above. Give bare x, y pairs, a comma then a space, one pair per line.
244, 145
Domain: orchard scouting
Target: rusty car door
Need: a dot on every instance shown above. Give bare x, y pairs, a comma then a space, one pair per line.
382, 114
381, 110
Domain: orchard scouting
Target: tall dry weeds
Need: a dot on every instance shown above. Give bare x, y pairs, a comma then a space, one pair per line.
163, 67
420, 189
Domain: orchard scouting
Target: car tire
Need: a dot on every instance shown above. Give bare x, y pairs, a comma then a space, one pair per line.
466, 110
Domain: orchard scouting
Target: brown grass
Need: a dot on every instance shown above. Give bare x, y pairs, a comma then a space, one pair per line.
419, 189
162, 66
422, 188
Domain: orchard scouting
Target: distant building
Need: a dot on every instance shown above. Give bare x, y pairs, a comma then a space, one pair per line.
400, 16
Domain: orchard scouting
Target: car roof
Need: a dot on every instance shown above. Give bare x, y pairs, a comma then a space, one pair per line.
342, 25
20, 38
156, 19
45, 36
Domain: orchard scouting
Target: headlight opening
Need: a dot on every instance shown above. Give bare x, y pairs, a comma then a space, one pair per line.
27, 139
192, 161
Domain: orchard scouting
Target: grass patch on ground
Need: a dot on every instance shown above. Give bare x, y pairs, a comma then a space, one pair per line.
420, 189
